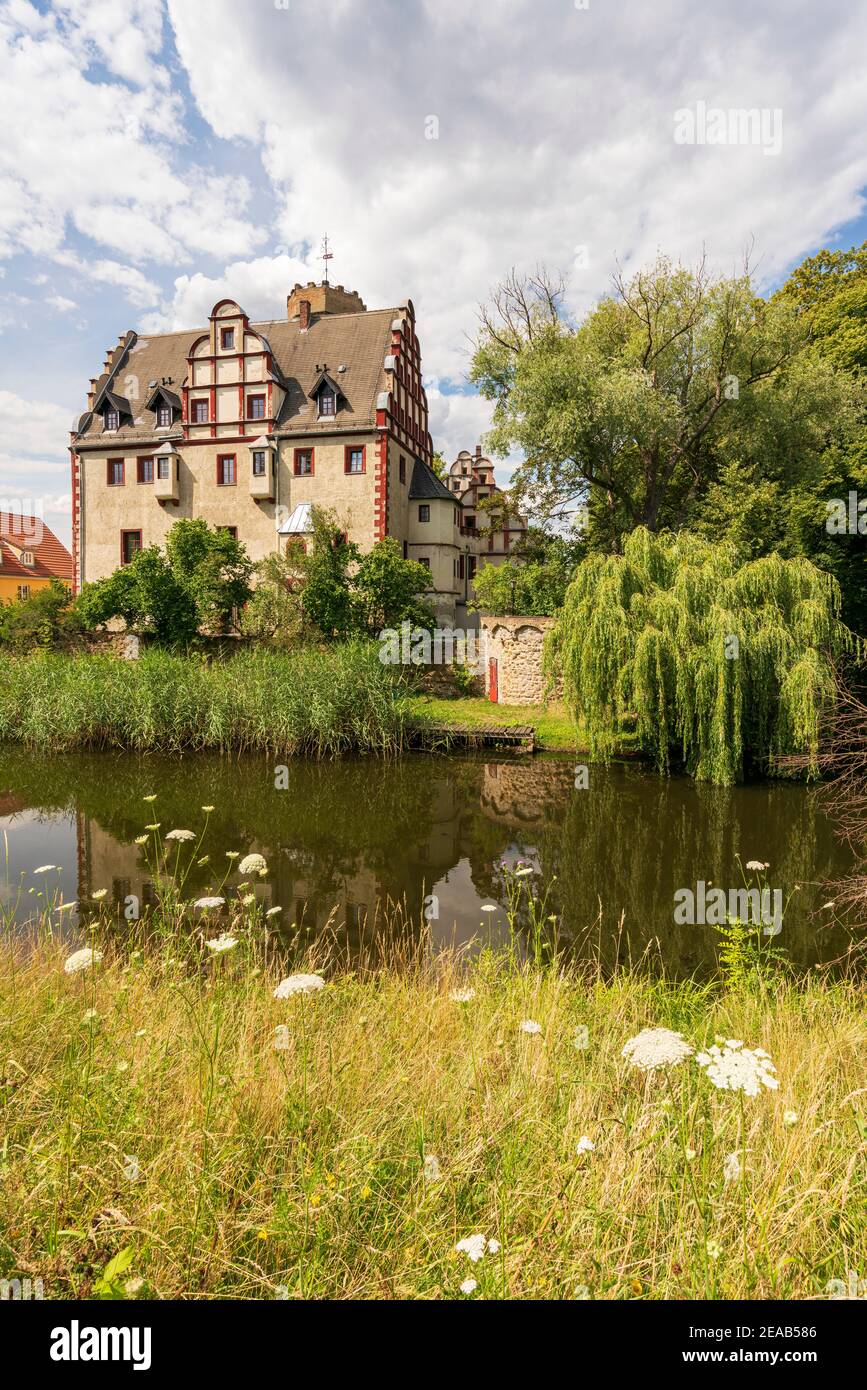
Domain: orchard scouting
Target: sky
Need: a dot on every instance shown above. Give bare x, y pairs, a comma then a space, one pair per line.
158, 155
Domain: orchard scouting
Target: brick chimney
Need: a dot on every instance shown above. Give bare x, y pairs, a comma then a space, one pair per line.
478, 451
303, 314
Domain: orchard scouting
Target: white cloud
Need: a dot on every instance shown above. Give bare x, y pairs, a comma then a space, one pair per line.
62, 305
556, 131
34, 461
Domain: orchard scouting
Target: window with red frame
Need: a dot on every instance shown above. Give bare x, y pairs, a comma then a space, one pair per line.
115, 471
130, 545
199, 412
145, 469
255, 407
353, 459
226, 470
303, 462
227, 338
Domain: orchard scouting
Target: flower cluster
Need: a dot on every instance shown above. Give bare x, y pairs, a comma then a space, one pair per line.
734, 1067
653, 1048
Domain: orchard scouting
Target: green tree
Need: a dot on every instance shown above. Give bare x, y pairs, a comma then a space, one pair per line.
726, 662
387, 589
275, 613
197, 584
43, 620
637, 412
326, 599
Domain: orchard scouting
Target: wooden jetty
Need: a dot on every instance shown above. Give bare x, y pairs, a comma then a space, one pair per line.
434, 737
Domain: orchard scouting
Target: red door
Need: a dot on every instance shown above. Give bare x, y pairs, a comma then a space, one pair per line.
493, 687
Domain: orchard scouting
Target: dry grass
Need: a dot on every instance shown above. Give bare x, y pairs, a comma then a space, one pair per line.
298, 1173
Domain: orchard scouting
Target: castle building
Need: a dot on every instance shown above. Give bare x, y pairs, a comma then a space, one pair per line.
249, 425
488, 532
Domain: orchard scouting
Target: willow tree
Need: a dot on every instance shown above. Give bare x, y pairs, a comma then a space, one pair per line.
725, 663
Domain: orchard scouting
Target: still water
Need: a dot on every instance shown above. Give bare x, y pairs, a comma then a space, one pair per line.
356, 835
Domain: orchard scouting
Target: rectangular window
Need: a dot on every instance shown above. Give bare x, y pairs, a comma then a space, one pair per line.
164, 416
227, 338
327, 403
163, 468
145, 470
230, 531
423, 560
23, 591
424, 512
112, 420
405, 550
115, 472
130, 545
460, 567
402, 469
471, 566
353, 459
199, 412
255, 407
303, 462
259, 463
225, 470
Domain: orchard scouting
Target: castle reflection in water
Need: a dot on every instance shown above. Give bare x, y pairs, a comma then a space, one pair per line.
347, 841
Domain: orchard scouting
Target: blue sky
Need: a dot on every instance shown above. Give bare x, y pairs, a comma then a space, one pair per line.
160, 154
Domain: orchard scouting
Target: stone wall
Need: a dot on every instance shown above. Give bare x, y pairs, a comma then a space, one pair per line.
516, 646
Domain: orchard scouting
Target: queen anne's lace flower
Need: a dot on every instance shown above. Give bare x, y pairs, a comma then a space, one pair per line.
462, 996
474, 1247
757, 865
731, 1168
180, 835
81, 960
734, 1067
253, 864
530, 1026
206, 903
222, 943
298, 984
469, 1286
653, 1048
585, 1145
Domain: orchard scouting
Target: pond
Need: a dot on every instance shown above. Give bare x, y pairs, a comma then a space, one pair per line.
433, 832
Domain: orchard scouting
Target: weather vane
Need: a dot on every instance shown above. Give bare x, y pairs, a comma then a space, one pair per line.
326, 255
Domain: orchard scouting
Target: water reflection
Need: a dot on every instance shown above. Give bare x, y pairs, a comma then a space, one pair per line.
357, 835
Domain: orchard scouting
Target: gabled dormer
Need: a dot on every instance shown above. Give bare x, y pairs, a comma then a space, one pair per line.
326, 393
115, 410
165, 404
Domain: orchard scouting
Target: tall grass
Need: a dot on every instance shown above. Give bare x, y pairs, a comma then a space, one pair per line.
320, 703
166, 1109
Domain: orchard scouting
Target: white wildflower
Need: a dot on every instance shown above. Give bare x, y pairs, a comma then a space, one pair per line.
790, 1117
248, 899
141, 839
756, 865
273, 911
488, 907
222, 943
469, 1286
530, 1026
281, 1038
585, 1145
734, 1067
524, 873
46, 868
689, 1154
253, 864
713, 1248
180, 835
474, 1247
462, 996
66, 907
653, 1048
731, 1168
298, 984
206, 903
100, 894
81, 960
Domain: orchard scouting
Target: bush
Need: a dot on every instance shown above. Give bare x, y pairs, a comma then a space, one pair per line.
43, 620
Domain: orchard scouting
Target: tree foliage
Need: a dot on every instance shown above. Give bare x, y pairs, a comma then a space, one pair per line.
196, 584
724, 662
641, 409
45, 619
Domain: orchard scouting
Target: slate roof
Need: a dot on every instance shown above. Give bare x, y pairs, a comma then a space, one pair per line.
358, 341
425, 485
51, 559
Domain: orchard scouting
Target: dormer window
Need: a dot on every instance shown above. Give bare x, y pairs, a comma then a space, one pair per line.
27, 557
112, 419
164, 416
227, 339
327, 401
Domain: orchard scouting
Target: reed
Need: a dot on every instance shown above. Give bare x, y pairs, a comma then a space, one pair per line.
321, 703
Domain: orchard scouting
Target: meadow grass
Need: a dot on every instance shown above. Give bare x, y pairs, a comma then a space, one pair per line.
313, 702
163, 1111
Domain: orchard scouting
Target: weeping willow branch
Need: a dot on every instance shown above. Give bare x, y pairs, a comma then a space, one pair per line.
722, 663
